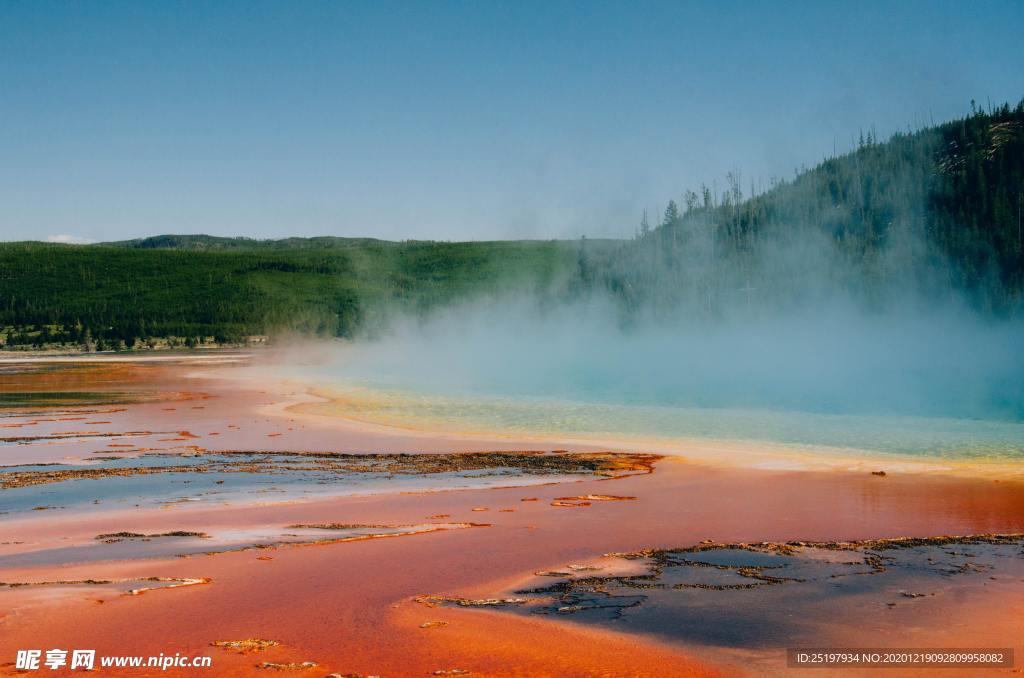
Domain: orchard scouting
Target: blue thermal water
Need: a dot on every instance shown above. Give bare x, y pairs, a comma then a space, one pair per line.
940, 437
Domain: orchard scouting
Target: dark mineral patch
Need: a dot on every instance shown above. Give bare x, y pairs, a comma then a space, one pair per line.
115, 537
241, 461
770, 594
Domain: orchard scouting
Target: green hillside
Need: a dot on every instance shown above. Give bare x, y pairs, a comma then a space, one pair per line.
191, 287
217, 243
936, 212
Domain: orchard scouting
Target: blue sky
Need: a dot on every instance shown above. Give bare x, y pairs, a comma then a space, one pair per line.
453, 120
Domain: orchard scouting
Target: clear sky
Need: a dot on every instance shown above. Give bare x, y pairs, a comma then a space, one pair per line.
453, 120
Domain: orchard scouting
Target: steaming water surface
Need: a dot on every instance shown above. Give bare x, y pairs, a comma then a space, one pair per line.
940, 386
865, 435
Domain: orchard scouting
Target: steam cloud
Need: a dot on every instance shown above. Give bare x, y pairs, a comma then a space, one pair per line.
795, 321
942, 362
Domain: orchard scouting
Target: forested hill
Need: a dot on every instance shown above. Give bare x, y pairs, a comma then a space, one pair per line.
212, 243
936, 213
937, 210
201, 289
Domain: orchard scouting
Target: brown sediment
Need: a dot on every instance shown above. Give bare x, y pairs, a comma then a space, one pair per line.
114, 537
25, 440
346, 526
410, 530
608, 464
568, 572
587, 499
16, 479
174, 582
433, 624
748, 572
529, 463
793, 547
247, 646
438, 601
71, 582
290, 666
341, 526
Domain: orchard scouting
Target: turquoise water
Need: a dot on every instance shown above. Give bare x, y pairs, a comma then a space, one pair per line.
868, 435
941, 385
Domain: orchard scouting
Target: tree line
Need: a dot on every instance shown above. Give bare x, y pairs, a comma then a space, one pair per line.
937, 210
192, 291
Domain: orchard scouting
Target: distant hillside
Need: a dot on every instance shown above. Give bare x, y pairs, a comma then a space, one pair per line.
212, 242
937, 211
930, 214
200, 288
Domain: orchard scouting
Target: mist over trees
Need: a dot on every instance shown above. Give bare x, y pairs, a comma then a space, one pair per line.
933, 214
883, 281
925, 218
